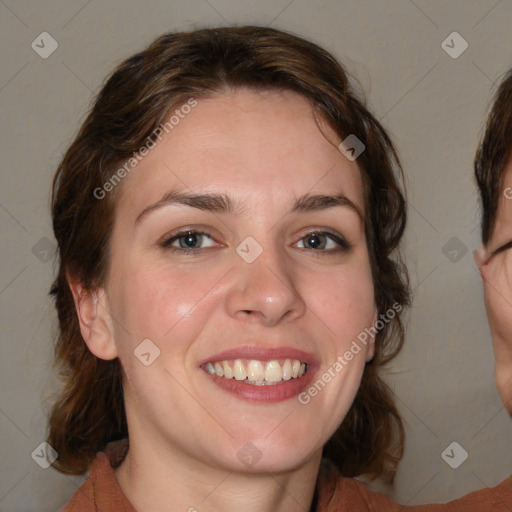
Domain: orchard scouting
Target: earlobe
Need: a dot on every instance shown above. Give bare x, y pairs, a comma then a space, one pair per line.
94, 319
480, 256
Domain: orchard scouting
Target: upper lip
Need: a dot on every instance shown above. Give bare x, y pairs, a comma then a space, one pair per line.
262, 354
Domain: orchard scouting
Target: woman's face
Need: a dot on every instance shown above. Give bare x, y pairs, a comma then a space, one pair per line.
497, 277
249, 286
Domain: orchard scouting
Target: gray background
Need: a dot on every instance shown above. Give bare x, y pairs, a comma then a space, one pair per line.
432, 104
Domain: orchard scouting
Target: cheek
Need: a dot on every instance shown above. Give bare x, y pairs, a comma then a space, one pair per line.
165, 307
343, 300
156, 302
497, 277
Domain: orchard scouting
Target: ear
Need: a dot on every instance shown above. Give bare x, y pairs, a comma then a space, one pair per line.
95, 320
480, 256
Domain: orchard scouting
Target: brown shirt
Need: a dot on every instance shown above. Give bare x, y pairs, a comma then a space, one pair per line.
101, 492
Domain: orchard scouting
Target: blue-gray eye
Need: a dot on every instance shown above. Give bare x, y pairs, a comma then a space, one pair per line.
320, 240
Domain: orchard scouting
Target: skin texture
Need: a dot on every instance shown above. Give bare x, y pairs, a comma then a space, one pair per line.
495, 263
265, 149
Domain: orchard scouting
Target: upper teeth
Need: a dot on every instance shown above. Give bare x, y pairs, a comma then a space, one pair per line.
258, 372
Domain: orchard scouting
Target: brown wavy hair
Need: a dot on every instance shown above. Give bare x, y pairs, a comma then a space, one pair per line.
136, 99
493, 154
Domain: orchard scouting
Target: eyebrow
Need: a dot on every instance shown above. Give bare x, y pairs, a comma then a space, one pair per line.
223, 203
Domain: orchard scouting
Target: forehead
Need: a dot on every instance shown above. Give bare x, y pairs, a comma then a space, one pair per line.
264, 146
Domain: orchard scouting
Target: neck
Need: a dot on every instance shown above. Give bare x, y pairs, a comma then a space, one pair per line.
153, 480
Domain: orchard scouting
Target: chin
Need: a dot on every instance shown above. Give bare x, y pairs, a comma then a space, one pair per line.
261, 457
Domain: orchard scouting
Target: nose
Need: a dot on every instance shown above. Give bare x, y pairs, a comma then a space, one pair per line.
265, 290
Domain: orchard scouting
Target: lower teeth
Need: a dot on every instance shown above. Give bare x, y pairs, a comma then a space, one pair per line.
262, 382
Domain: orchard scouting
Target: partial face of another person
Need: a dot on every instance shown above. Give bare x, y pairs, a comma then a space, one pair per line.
497, 277
189, 276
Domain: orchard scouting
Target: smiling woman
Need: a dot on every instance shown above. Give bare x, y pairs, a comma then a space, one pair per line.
223, 277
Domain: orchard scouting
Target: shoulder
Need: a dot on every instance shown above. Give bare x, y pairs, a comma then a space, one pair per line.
84, 498
339, 494
489, 499
101, 491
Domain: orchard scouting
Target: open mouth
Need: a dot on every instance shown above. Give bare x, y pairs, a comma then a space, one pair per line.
257, 372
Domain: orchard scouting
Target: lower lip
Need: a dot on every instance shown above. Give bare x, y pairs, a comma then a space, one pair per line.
268, 394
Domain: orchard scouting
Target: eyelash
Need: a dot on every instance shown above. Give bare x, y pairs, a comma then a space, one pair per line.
343, 245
